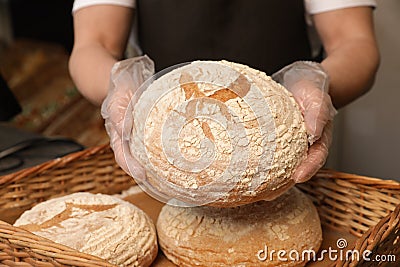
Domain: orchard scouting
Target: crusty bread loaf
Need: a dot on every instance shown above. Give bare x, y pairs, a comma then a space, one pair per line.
97, 224
217, 133
241, 236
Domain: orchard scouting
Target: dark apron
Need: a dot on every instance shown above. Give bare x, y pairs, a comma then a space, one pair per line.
264, 34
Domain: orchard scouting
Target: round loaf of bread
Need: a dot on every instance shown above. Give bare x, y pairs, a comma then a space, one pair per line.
216, 133
249, 235
96, 224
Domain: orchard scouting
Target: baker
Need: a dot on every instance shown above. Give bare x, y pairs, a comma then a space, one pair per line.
268, 35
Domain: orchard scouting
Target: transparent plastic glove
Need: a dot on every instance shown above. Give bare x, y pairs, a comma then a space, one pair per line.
309, 84
126, 77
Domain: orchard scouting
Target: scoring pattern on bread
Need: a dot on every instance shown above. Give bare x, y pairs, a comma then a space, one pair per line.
210, 236
217, 133
97, 224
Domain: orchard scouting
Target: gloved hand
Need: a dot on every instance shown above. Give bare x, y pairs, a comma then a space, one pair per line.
126, 78
309, 84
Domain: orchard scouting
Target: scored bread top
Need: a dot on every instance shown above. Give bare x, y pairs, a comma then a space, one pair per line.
97, 224
218, 133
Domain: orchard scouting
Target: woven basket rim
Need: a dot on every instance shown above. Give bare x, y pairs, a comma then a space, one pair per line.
43, 245
323, 173
378, 183
12, 177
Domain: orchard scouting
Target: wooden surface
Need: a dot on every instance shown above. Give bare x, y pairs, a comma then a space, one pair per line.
38, 75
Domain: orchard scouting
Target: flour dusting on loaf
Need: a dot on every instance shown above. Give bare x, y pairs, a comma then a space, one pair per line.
210, 236
96, 224
218, 133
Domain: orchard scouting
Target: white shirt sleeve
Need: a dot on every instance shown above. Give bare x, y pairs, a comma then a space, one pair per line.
312, 6
78, 4
318, 6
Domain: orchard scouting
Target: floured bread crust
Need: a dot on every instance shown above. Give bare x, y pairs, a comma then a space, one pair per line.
241, 236
218, 133
96, 224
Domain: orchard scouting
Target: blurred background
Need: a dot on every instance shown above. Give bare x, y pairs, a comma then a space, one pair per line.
36, 38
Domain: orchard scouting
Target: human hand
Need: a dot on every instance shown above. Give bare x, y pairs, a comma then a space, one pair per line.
309, 84
126, 78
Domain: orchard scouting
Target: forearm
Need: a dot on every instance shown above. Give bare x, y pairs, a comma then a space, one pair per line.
90, 68
101, 33
351, 69
352, 52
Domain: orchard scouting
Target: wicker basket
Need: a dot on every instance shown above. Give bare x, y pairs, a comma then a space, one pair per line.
367, 208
